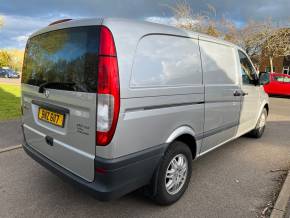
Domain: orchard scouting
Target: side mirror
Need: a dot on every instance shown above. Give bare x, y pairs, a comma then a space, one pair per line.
264, 78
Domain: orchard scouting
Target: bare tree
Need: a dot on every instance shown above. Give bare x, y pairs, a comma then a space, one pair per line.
202, 21
255, 37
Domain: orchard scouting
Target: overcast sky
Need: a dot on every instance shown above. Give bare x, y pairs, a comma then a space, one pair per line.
22, 17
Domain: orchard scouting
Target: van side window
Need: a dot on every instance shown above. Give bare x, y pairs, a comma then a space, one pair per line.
219, 63
163, 61
247, 70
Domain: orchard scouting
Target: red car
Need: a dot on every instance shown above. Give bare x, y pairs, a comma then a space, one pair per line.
279, 84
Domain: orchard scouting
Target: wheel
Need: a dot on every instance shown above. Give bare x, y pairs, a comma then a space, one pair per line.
173, 174
6, 76
261, 125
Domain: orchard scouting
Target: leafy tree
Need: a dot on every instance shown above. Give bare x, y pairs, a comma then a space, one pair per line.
5, 59
11, 58
277, 44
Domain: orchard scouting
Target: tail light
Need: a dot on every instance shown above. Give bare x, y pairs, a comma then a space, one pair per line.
108, 93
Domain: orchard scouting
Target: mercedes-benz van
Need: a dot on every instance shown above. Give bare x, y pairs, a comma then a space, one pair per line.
114, 105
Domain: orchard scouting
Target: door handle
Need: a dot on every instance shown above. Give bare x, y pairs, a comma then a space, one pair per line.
239, 93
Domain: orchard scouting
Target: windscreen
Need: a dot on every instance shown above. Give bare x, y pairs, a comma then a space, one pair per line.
63, 59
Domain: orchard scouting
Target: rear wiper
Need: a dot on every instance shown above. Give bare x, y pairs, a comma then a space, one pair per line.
63, 86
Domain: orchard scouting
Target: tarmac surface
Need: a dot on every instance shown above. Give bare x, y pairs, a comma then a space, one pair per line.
236, 180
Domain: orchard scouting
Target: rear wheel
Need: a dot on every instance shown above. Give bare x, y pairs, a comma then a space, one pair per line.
261, 125
174, 174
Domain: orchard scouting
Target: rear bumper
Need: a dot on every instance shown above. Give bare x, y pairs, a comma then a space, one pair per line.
117, 177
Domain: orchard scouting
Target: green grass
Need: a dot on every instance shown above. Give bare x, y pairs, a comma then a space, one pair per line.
9, 102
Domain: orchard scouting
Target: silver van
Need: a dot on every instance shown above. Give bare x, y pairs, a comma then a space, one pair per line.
114, 105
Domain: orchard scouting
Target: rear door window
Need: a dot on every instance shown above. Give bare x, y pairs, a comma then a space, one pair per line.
65, 58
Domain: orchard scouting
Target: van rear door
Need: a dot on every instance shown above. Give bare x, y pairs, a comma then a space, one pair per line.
59, 85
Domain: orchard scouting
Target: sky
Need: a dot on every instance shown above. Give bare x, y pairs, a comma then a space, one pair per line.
23, 17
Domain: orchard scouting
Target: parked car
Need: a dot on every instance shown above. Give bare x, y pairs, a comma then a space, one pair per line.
8, 73
134, 103
3, 73
279, 84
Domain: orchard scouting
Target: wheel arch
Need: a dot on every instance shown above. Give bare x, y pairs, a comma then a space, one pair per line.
186, 135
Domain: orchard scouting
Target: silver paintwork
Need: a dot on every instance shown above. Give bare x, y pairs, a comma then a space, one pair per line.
72, 149
153, 114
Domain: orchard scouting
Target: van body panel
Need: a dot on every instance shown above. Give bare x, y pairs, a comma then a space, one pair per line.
69, 24
222, 108
72, 145
252, 101
129, 33
162, 101
172, 82
68, 83
164, 113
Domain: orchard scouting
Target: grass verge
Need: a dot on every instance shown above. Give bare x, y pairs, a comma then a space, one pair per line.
9, 102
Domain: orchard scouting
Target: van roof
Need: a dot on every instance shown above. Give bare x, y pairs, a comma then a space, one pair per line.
149, 26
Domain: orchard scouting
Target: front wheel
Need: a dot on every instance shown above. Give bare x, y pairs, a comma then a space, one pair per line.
174, 174
261, 125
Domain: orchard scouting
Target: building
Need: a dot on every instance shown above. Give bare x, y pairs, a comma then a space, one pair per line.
280, 65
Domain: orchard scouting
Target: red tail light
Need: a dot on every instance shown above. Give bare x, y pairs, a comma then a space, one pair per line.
108, 93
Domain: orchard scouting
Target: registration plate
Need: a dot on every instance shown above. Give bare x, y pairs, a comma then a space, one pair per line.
51, 117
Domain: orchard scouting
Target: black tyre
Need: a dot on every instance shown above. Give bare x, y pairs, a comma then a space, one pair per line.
261, 125
174, 174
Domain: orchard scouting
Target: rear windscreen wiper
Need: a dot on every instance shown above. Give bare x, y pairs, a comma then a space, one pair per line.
69, 86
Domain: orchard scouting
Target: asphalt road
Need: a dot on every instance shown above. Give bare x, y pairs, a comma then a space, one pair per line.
232, 181
10, 133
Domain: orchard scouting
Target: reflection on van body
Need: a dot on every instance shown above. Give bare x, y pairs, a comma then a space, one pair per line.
137, 102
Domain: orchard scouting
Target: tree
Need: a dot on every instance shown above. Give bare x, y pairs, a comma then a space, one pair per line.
202, 21
254, 37
277, 44
5, 59
12, 58
250, 37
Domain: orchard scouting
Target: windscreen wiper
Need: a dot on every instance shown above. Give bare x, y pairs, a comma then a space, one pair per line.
69, 86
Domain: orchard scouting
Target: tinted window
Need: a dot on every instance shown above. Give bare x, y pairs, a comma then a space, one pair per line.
247, 70
66, 57
166, 61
